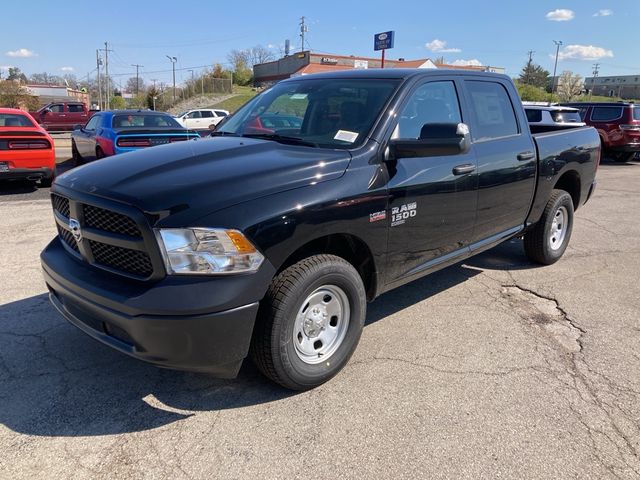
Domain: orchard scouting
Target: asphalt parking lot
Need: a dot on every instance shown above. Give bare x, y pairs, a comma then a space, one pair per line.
494, 368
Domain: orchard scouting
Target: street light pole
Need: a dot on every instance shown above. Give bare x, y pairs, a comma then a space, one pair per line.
555, 66
173, 61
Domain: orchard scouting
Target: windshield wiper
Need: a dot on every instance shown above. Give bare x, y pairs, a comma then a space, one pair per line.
281, 139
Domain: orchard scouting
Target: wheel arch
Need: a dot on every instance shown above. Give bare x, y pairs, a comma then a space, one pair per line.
345, 245
569, 181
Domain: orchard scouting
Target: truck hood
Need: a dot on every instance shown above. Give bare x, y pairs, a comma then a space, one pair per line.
202, 176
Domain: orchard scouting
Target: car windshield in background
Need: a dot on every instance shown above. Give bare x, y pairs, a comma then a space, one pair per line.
566, 116
13, 120
330, 113
144, 121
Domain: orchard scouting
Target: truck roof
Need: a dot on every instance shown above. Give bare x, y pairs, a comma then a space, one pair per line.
399, 73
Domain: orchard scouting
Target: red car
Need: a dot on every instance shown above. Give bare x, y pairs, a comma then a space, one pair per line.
26, 149
618, 124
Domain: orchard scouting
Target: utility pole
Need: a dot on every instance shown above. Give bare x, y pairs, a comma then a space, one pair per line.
193, 83
596, 69
173, 61
555, 66
530, 53
303, 30
107, 87
137, 81
98, 63
155, 93
527, 70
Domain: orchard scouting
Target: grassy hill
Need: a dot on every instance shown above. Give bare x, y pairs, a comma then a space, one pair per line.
241, 96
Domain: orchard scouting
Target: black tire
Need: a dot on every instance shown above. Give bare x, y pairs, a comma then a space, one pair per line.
75, 154
273, 347
539, 243
99, 153
623, 157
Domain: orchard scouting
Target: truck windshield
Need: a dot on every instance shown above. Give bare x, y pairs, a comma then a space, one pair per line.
330, 113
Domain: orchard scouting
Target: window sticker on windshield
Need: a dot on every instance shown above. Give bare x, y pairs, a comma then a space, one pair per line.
298, 96
346, 136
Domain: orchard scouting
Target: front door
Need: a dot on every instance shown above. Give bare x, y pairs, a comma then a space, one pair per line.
55, 118
432, 202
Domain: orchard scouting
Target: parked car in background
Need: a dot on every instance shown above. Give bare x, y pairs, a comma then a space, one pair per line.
113, 132
202, 118
62, 115
26, 149
554, 116
618, 124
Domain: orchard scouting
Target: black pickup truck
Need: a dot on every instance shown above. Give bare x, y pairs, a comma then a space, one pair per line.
269, 242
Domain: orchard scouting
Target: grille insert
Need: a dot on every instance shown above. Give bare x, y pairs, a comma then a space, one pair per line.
131, 261
109, 221
60, 204
67, 238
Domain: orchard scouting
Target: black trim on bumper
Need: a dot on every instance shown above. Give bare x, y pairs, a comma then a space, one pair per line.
629, 148
22, 173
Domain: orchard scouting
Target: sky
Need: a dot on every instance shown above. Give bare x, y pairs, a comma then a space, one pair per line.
59, 38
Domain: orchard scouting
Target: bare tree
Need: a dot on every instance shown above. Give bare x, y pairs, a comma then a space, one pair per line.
569, 86
259, 54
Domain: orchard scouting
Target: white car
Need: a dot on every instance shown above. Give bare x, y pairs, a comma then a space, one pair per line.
552, 115
201, 118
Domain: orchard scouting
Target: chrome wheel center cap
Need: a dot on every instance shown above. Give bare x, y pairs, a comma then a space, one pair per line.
315, 321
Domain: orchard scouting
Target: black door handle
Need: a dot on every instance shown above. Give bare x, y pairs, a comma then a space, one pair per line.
526, 156
463, 169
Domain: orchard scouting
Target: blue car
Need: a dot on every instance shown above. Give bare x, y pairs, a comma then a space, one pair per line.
114, 132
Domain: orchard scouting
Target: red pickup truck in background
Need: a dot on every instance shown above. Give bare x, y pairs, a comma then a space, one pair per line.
62, 115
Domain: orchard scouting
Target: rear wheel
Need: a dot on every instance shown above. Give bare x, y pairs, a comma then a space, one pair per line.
548, 240
99, 153
310, 322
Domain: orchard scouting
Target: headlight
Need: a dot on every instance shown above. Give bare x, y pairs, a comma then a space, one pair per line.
207, 251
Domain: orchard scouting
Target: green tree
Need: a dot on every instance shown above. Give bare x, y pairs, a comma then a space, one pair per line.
16, 75
533, 74
118, 103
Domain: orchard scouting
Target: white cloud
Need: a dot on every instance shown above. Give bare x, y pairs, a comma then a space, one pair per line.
440, 46
560, 15
22, 53
583, 52
603, 13
271, 46
67, 69
474, 62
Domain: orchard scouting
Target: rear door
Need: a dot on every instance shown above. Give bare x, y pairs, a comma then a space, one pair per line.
606, 119
76, 114
506, 155
208, 119
432, 202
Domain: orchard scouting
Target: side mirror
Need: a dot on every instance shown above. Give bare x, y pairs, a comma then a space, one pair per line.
78, 127
45, 111
436, 139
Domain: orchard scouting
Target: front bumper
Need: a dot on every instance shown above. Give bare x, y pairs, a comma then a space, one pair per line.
180, 323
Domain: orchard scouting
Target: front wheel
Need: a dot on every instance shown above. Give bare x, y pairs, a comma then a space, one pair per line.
309, 322
548, 240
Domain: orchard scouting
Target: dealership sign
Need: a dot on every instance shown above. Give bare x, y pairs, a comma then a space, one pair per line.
383, 41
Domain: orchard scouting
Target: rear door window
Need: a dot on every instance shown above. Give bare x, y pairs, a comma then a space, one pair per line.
636, 113
492, 109
606, 114
206, 113
75, 108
